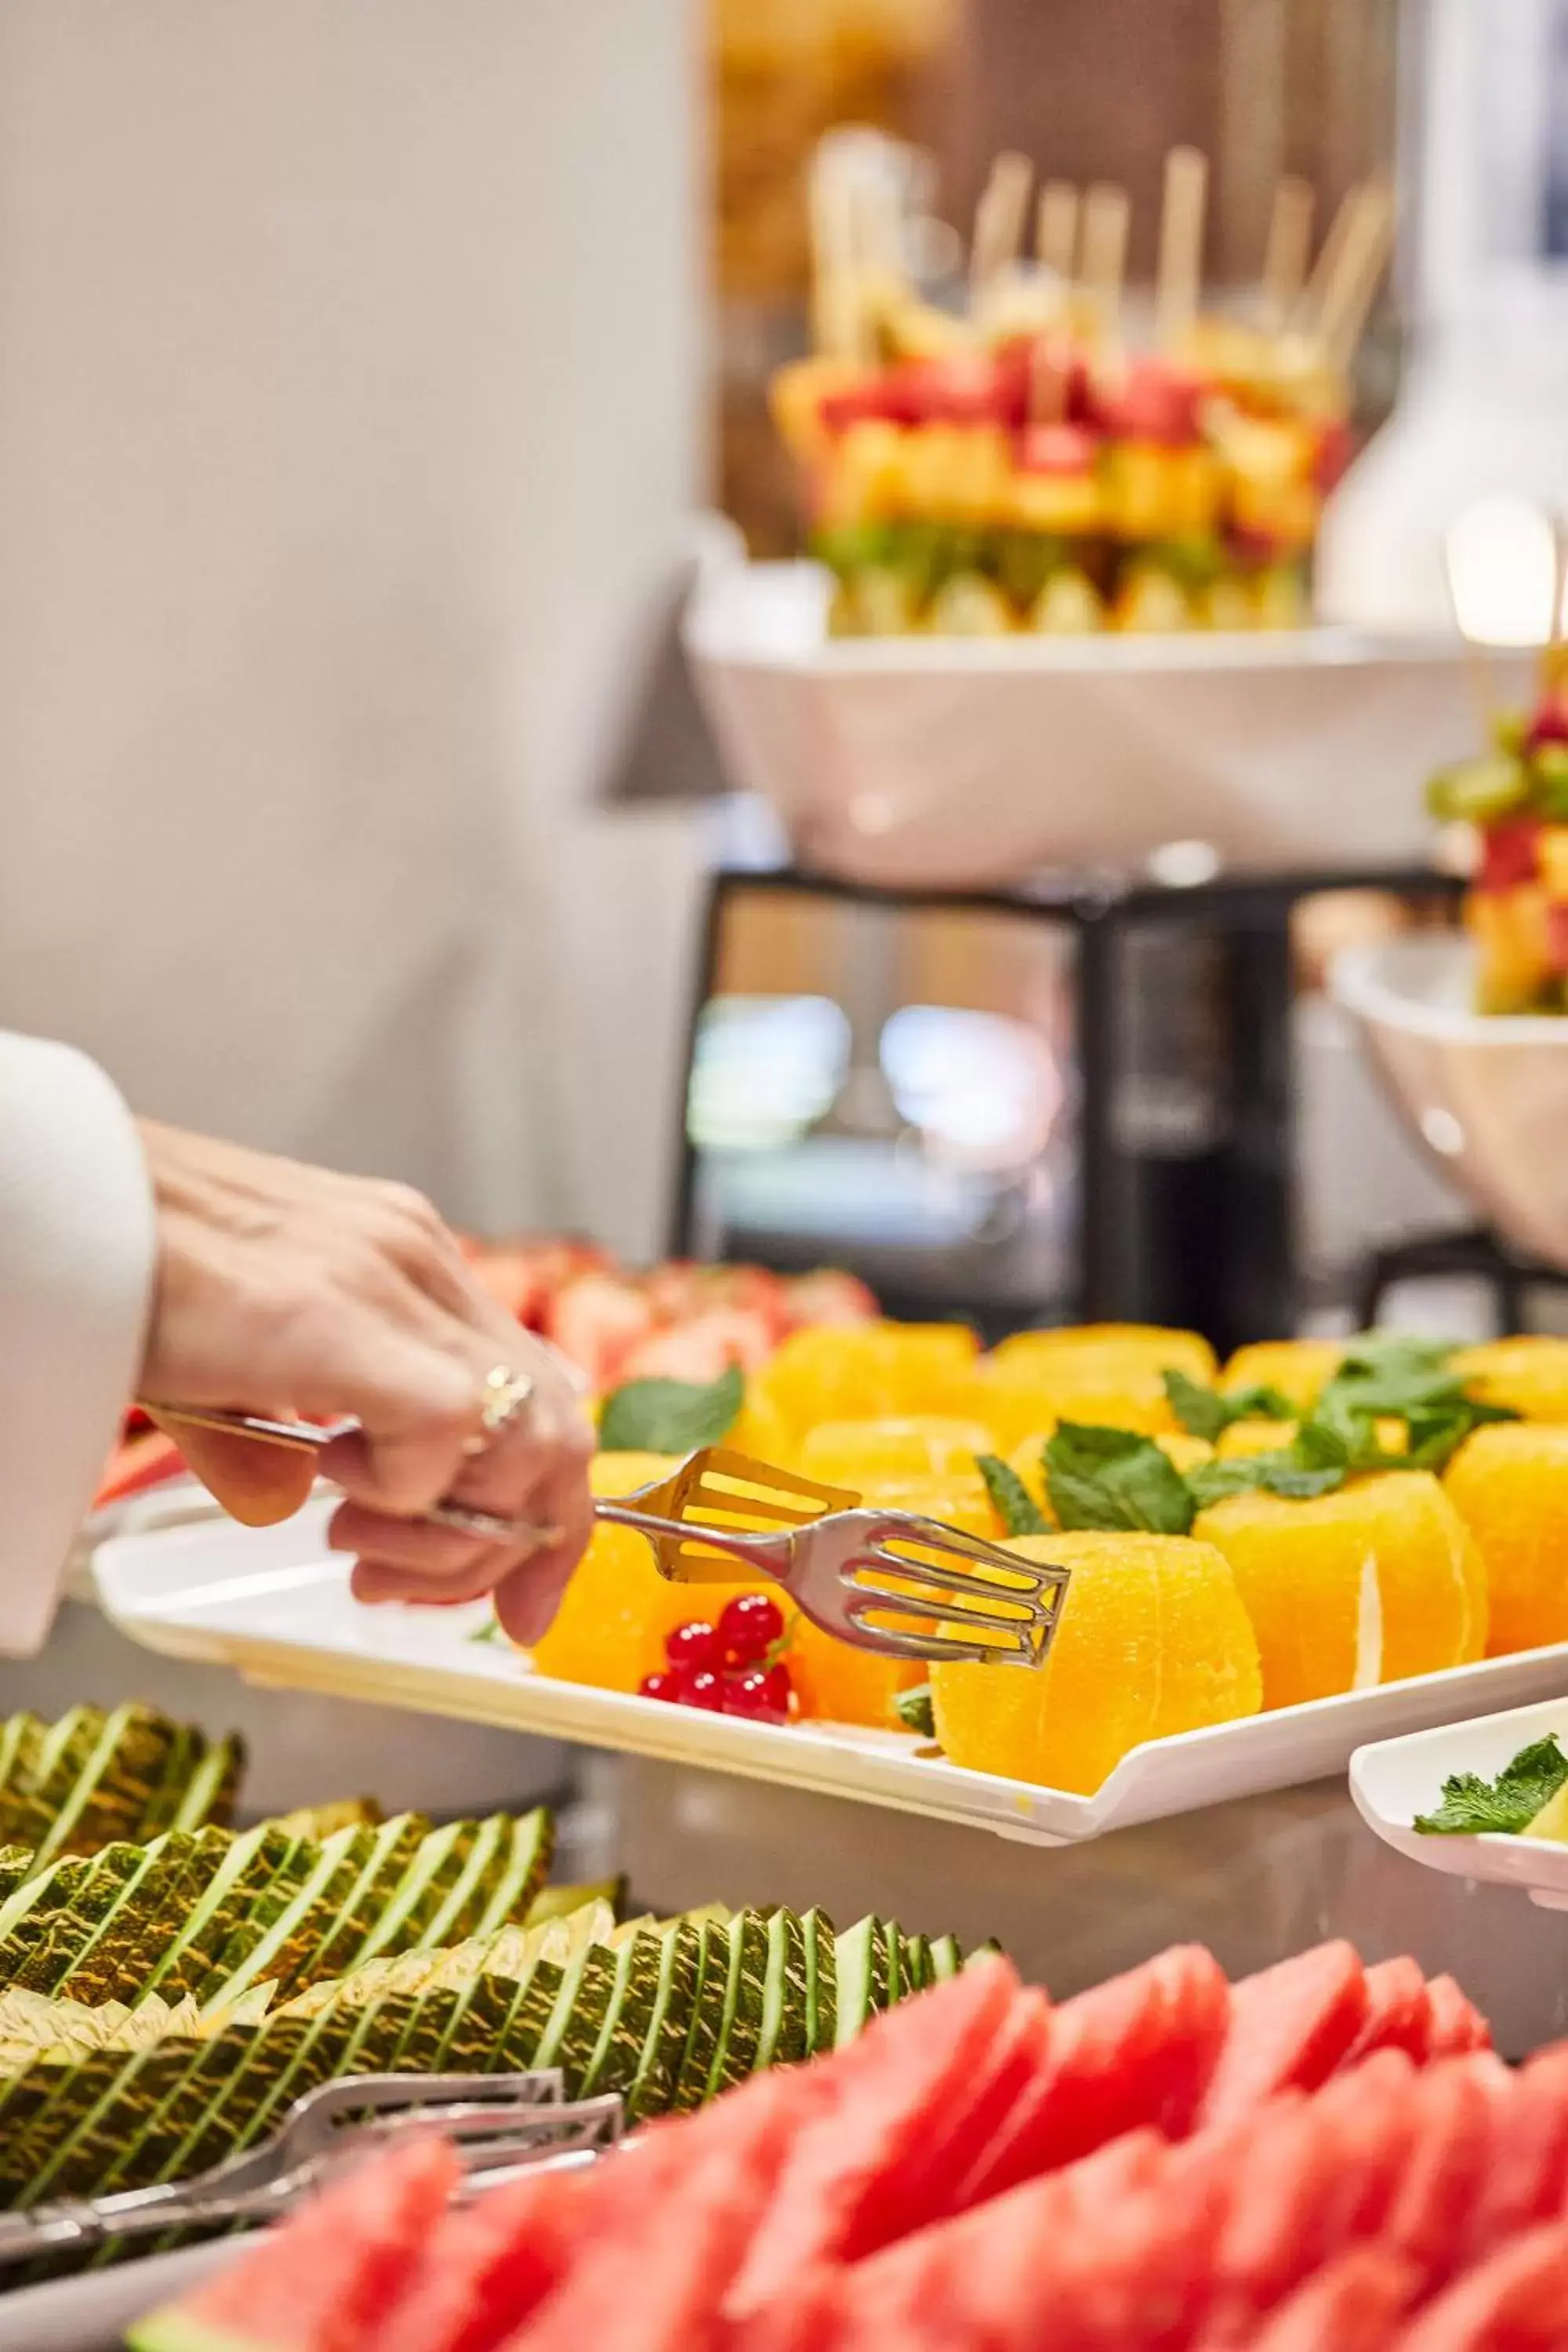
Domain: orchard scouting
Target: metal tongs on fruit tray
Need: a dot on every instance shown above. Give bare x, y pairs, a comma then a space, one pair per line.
499, 2124
886, 1580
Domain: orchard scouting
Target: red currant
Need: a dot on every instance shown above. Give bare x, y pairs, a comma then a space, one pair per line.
761, 1694
692, 1644
700, 1687
748, 1627
665, 1687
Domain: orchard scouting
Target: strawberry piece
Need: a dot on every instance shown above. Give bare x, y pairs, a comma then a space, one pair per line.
1510, 854
1514, 2303
701, 1350
597, 1320
828, 1296
147, 1460
1056, 450
1398, 2015
1289, 2026
1138, 2050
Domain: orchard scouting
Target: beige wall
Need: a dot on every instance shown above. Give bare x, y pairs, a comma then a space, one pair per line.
348, 367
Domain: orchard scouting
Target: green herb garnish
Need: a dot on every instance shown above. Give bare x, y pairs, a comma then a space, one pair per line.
1114, 1478
671, 1416
1209, 1413
913, 1708
1509, 1803
1014, 1506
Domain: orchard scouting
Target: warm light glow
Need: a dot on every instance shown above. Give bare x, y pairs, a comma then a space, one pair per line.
1503, 562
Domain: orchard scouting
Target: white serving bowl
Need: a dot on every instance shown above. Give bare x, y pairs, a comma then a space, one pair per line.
1485, 1096
953, 761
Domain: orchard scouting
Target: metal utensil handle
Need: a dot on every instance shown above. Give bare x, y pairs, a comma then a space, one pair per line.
770, 1553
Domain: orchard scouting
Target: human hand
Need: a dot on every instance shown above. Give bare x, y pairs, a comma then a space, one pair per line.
288, 1290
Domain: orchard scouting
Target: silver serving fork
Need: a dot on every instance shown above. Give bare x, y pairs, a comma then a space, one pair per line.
499, 2124
885, 1581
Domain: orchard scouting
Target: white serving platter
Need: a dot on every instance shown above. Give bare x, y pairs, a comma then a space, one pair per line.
928, 761
1392, 1780
274, 1603
91, 2313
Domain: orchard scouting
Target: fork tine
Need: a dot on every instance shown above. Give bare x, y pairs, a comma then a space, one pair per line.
933, 1648
926, 1575
932, 1535
863, 1598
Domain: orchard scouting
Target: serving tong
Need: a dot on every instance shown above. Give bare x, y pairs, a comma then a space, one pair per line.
500, 2125
891, 1581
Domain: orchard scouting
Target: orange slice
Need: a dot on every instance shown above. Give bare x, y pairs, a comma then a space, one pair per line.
1153, 1640
1530, 1374
1365, 1586
1510, 1485
1299, 1368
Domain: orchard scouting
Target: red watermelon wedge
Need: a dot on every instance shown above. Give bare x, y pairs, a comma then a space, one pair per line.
1516, 2301
488, 2266
327, 2278
1455, 2024
1352, 2306
1290, 2027
667, 2226
1138, 2050
1456, 2110
1398, 2013
868, 2166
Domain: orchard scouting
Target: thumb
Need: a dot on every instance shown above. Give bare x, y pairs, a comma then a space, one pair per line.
256, 1484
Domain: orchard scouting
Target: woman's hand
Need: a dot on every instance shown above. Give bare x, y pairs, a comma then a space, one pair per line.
287, 1290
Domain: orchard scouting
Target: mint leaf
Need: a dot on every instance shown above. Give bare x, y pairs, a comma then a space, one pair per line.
671, 1416
1016, 1507
1114, 1478
1280, 1472
913, 1708
488, 1632
1209, 1413
1509, 1803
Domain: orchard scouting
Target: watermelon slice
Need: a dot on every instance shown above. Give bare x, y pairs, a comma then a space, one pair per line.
1290, 2027
1352, 2306
869, 2166
1524, 2177
1457, 2125
1516, 2301
489, 2266
663, 2232
1138, 2050
1456, 2024
327, 2278
1398, 2013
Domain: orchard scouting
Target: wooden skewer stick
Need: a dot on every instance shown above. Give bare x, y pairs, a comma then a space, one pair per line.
999, 219
1107, 213
1349, 297
1055, 228
1305, 319
1551, 669
1181, 243
1289, 250
1478, 668
841, 328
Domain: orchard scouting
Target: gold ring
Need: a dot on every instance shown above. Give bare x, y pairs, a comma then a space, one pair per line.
504, 1395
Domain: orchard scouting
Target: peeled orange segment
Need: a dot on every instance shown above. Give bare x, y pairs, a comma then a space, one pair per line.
1529, 1374
610, 1628
870, 1454
1153, 1640
1299, 1368
1365, 1586
854, 1371
1245, 1438
1510, 1485
1114, 1347
1107, 1373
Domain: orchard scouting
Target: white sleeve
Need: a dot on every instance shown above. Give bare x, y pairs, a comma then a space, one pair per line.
77, 1253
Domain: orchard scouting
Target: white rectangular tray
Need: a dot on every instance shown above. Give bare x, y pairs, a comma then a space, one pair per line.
1392, 1780
275, 1604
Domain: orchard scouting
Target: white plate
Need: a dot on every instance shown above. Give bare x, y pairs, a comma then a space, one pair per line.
1394, 1780
1485, 1096
275, 1605
956, 761
92, 2313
